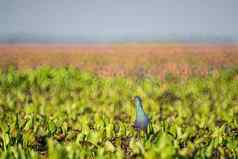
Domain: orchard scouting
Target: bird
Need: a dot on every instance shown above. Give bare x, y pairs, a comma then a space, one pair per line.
142, 121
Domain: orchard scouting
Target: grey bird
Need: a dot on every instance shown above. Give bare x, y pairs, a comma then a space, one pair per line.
142, 120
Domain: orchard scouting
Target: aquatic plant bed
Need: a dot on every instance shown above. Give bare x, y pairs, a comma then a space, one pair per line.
67, 113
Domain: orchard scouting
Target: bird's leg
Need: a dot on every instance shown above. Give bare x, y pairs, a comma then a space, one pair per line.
138, 134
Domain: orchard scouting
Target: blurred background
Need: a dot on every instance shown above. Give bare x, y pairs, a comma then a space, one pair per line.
121, 21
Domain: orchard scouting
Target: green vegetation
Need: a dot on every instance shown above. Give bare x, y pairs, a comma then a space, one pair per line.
65, 113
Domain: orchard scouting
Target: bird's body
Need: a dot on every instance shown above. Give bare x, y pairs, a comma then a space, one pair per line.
142, 120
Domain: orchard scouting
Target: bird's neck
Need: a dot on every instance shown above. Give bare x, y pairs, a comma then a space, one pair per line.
139, 110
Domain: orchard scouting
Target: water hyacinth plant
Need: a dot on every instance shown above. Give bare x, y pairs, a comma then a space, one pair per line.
66, 113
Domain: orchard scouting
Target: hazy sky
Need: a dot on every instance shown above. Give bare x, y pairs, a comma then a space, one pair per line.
117, 18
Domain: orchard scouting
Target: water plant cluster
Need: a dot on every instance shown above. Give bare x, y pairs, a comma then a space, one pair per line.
67, 113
